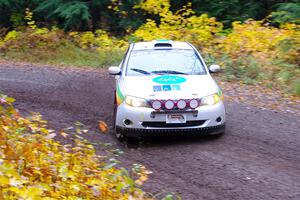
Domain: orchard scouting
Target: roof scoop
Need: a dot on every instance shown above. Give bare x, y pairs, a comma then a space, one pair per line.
163, 44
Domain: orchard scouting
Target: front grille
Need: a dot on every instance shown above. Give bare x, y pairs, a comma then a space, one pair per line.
167, 125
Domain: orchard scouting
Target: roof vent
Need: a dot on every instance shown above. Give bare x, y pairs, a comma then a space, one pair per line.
164, 44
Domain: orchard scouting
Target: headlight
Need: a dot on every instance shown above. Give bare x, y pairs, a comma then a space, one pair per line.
210, 100
135, 101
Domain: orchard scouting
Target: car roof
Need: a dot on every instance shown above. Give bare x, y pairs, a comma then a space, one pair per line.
161, 44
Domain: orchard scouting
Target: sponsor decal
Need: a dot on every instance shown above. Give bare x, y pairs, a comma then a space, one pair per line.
166, 87
169, 79
157, 88
220, 94
176, 87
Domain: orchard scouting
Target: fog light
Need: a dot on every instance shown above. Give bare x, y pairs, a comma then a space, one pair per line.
219, 119
127, 122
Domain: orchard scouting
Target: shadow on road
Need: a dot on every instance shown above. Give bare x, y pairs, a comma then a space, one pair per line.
146, 142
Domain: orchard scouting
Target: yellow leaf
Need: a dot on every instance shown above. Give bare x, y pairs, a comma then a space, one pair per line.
33, 193
64, 134
4, 180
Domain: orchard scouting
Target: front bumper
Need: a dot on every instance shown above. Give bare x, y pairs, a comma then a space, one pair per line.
135, 132
148, 121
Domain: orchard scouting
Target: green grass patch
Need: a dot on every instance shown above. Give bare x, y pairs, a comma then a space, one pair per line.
248, 70
67, 54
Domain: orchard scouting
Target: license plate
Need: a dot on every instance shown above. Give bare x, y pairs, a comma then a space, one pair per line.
175, 118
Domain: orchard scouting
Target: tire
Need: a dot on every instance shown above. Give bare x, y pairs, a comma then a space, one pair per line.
120, 136
217, 135
114, 116
115, 110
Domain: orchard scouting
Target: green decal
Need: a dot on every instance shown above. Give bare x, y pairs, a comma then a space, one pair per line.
119, 95
163, 40
220, 93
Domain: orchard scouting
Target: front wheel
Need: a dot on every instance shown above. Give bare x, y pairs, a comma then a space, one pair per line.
114, 116
130, 141
218, 134
118, 134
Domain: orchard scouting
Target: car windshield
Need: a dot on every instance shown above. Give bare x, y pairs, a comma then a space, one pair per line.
169, 61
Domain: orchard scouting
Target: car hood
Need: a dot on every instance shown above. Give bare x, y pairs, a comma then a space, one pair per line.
169, 87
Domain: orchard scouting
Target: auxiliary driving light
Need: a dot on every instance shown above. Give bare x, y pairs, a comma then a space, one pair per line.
169, 104
194, 103
156, 105
181, 104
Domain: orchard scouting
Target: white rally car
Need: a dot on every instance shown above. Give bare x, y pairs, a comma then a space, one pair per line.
164, 87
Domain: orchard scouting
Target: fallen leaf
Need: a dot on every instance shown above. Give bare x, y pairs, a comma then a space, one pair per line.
103, 126
50, 136
64, 134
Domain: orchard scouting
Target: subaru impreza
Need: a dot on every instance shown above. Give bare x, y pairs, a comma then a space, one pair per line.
165, 87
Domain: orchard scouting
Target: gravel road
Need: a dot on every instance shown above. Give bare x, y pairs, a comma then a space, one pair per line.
258, 157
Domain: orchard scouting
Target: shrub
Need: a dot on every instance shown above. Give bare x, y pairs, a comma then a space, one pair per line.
181, 25
253, 38
57, 47
34, 166
98, 40
39, 38
257, 52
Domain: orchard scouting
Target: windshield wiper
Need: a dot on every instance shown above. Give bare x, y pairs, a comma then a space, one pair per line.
140, 71
168, 72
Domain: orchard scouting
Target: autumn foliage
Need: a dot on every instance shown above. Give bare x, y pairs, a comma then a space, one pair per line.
35, 166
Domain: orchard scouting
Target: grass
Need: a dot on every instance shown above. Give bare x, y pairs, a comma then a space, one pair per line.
69, 55
248, 70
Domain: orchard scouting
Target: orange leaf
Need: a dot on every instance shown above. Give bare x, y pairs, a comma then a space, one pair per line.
103, 126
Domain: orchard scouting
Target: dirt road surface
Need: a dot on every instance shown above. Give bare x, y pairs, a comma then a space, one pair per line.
258, 157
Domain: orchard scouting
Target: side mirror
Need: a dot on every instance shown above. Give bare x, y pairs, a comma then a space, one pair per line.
114, 70
214, 68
